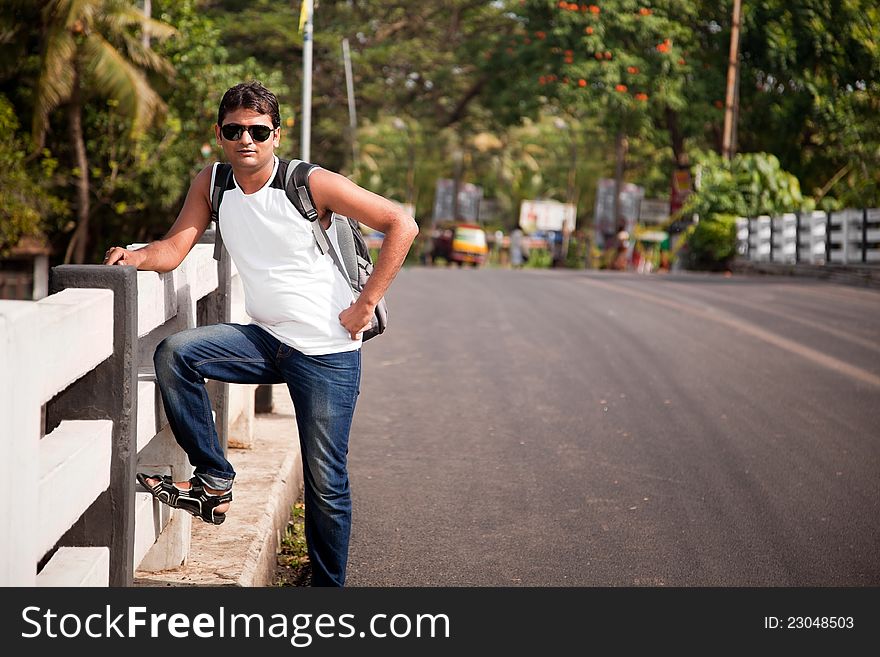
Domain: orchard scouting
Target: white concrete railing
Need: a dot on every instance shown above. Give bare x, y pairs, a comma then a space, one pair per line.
48, 484
848, 236
60, 352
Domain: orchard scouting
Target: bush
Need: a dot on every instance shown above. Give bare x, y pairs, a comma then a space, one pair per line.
711, 244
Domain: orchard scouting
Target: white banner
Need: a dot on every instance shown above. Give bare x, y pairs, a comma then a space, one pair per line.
546, 215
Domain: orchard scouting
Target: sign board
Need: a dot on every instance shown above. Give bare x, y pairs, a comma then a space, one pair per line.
605, 222
653, 211
546, 215
680, 189
469, 197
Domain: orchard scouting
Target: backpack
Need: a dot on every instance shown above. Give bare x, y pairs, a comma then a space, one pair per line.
353, 260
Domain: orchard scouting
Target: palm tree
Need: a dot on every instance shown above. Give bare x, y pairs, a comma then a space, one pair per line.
93, 46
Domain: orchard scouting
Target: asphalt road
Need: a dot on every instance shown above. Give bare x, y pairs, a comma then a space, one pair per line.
556, 428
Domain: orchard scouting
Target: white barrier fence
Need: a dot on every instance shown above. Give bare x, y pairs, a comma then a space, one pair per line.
77, 367
848, 236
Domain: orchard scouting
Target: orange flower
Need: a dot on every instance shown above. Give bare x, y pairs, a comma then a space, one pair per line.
662, 47
563, 4
542, 80
594, 9
632, 69
588, 30
582, 82
642, 97
607, 54
681, 61
644, 11
621, 88
540, 34
569, 53
598, 55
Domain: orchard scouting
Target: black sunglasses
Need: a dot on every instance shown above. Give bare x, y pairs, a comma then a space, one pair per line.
233, 131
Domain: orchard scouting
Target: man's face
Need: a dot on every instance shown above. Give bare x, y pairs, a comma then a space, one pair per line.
245, 152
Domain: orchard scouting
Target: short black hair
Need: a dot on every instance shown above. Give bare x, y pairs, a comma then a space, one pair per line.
253, 96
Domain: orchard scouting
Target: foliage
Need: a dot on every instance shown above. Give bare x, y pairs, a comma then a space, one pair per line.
751, 184
415, 61
642, 69
810, 93
26, 205
97, 43
478, 90
94, 48
711, 243
142, 181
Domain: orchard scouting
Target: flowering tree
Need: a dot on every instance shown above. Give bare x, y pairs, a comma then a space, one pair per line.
635, 65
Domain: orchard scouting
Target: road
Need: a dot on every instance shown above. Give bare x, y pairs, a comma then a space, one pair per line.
571, 428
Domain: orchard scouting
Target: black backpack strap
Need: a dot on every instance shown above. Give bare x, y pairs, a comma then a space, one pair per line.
296, 186
221, 176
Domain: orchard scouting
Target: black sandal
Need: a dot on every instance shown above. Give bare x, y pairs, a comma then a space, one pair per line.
196, 501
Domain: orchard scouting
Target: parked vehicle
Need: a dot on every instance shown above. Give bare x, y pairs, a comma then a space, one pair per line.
460, 243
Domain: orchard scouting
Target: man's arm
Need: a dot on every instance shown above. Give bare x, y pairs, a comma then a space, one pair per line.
167, 253
333, 192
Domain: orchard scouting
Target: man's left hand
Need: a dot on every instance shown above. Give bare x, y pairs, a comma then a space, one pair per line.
357, 318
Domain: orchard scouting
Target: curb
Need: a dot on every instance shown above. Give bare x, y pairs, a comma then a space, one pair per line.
856, 275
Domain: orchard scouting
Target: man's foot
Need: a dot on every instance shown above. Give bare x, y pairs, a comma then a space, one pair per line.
191, 496
185, 485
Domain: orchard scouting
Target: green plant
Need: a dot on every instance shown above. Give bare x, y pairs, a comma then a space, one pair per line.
712, 242
294, 568
539, 259
749, 185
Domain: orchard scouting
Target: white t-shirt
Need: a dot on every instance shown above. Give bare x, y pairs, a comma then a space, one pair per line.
290, 288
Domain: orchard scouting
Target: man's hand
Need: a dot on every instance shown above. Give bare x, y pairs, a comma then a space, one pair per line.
357, 318
116, 255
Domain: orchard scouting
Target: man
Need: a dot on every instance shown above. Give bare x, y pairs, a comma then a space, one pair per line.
306, 329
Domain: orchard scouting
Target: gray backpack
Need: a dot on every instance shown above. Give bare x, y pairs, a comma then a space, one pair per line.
353, 259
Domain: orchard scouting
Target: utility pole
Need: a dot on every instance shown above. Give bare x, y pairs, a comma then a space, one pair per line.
731, 109
306, 145
456, 182
352, 115
148, 10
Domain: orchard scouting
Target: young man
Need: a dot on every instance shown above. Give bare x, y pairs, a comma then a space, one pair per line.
306, 330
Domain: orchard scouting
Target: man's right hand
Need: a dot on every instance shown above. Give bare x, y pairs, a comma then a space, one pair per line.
116, 255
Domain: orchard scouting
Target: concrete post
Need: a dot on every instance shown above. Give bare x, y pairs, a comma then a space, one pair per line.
215, 308
107, 392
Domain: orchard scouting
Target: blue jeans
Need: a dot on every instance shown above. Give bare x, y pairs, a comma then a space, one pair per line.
324, 390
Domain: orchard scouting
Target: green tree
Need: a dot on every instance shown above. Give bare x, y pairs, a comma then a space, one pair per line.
634, 66
94, 47
141, 180
416, 61
810, 93
25, 204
